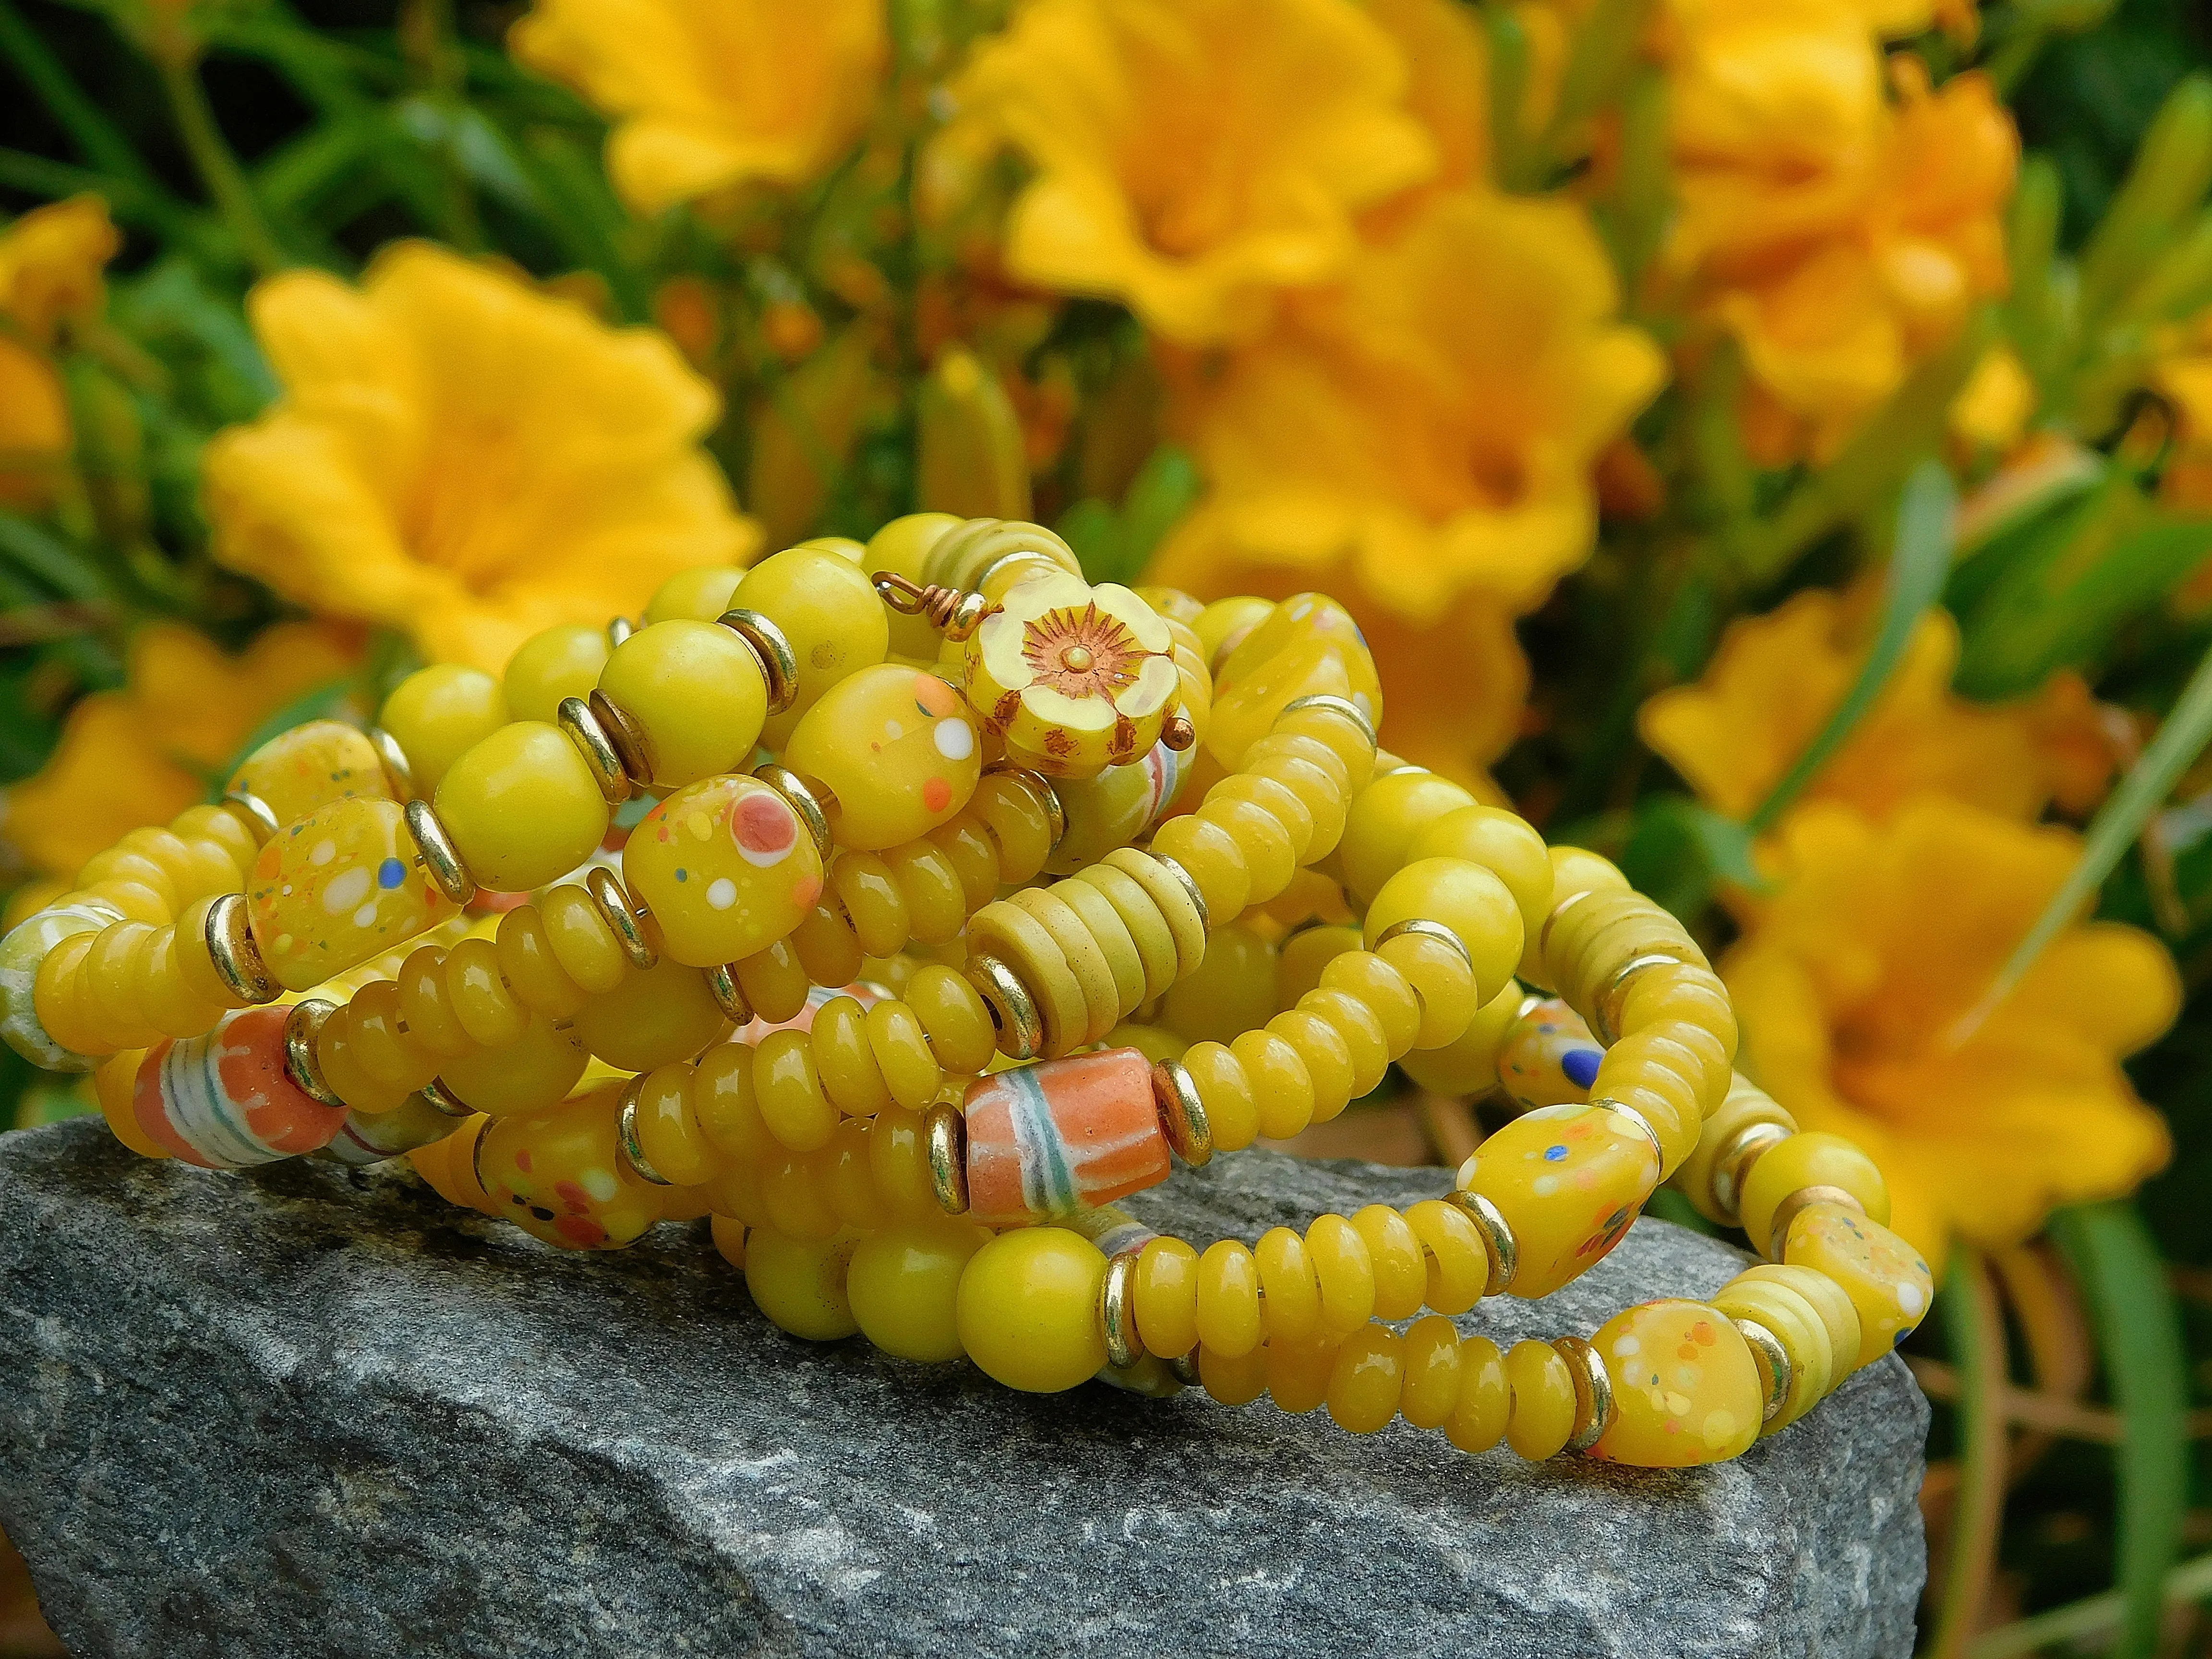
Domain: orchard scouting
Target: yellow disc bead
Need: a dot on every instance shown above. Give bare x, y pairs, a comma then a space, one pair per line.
1228, 1299
1478, 907
727, 868
1298, 1374
700, 594
438, 714
1810, 1160
1289, 1299
1399, 1269
1543, 1400
1569, 1180
1028, 1309
1167, 1297
1231, 1107
1685, 1389
828, 608
1468, 1065
1210, 856
522, 807
904, 1286
1345, 1273
801, 1284
695, 695
1458, 1269
560, 662
1364, 1384
1232, 992
1383, 821
1234, 1380
1502, 843
538, 1068
655, 1015
1485, 1405
897, 752
582, 944
1889, 1283
1430, 1387
1282, 1088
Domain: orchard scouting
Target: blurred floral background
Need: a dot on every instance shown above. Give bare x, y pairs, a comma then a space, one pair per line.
1767, 440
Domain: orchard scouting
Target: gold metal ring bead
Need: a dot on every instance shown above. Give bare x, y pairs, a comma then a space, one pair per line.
1343, 707
811, 802
1117, 1311
1183, 1114
397, 771
258, 813
1593, 1391
1498, 1241
574, 717
779, 663
1625, 1110
1013, 1011
1733, 1165
947, 1133
236, 958
618, 630
439, 856
624, 733
615, 908
1189, 885
475, 1154
1185, 1366
301, 1027
1423, 927
1041, 786
1543, 934
443, 1099
1795, 1204
729, 996
633, 1150
1776, 1371
1606, 1015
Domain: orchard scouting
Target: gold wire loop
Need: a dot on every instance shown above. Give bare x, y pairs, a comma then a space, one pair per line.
237, 959
951, 613
439, 856
947, 1131
1183, 1114
593, 743
301, 1027
779, 663
616, 907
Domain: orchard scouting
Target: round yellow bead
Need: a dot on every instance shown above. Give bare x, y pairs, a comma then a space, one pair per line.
700, 594
560, 662
1479, 909
537, 1069
904, 1286
1383, 821
1685, 1389
1430, 1386
522, 807
437, 714
801, 1287
1028, 1309
654, 1017
828, 608
897, 752
697, 694
1810, 1160
1232, 993
1469, 1064
726, 868
1166, 1289
1502, 843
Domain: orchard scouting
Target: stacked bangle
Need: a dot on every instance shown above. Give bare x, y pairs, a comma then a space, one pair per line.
817, 992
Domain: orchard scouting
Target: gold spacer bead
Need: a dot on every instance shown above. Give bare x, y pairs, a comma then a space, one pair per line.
442, 1099
1605, 1020
1635, 1117
1593, 1391
1185, 1366
259, 816
1733, 1165
1183, 1114
1040, 786
622, 732
1013, 1011
947, 1131
1343, 707
1543, 934
1775, 1372
237, 959
616, 909
633, 1150
397, 771
1795, 1204
1424, 928
574, 717
779, 663
618, 630
439, 856
729, 996
1498, 1241
301, 1027
1189, 885
1117, 1313
475, 1154
810, 801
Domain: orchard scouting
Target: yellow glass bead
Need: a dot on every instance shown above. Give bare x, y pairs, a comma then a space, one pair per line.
1234, 1380
1166, 1289
726, 868
956, 1018
800, 1285
1479, 1415
904, 1286
1441, 979
1889, 1283
536, 1069
899, 1046
1232, 992
1399, 1269
1345, 1273
1222, 626
526, 961
1210, 856
653, 1016
1430, 1385
1569, 1180
522, 807
1028, 1309
308, 767
1298, 1374
1502, 843
340, 886
1227, 1093
560, 662
1382, 820
1309, 646
1070, 679
437, 714
1543, 1416
1798, 1327
1813, 1159
1458, 1267
789, 1092
1685, 1389
1282, 1088
582, 943
1578, 870
1289, 1299
1467, 1065
1228, 1299
828, 608
695, 694
902, 547
894, 749
555, 1173
22, 951
1477, 908
700, 594
1115, 807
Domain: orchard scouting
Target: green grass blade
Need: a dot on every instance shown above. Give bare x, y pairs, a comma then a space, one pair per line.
2139, 1333
1976, 1333
85, 123
1926, 529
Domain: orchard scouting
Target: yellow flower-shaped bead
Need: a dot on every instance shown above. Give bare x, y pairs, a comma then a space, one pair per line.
1569, 1180
1885, 1277
1685, 1389
1072, 679
726, 868
339, 887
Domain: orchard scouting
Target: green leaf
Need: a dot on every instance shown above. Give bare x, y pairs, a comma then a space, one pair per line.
1976, 1332
1926, 522
2165, 186
1677, 851
1508, 86
1093, 530
40, 554
1157, 497
2139, 1335
333, 700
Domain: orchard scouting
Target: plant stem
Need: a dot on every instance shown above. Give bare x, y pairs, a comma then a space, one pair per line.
1976, 1333
218, 168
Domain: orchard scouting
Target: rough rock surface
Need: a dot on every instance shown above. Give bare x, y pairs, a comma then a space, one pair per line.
317, 1411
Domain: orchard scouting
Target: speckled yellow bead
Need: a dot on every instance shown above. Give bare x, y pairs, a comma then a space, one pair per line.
897, 752
1813, 1159
1478, 907
336, 888
436, 713
1543, 1416
309, 766
695, 694
904, 1286
1685, 1389
801, 1285
700, 594
522, 807
825, 605
653, 1016
1028, 1309
560, 662
1569, 1180
1886, 1279
555, 1173
726, 868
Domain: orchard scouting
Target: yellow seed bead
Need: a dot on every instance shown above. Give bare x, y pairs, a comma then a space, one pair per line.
1305, 956
828, 608
774, 981
801, 1287
1289, 1298
1028, 1309
522, 807
656, 1015
491, 1015
1354, 1025
527, 962
1400, 1271
956, 1018
1232, 992
670, 1134
437, 714
427, 1005
1578, 870
1210, 856
1228, 1299
901, 1051
1472, 902
1479, 1415
1345, 1273
1270, 856
560, 662
538, 1068
1803, 1336
1543, 1400
792, 1103
904, 1286
695, 694
1441, 979
1298, 1374
1889, 1283
896, 751
1432, 1384
1468, 1065
898, 1159
1281, 1088
1569, 1180
1458, 1267
843, 1060
1166, 1287
1685, 1389
1383, 821
1382, 989
584, 945
794, 1200
1323, 1055
1231, 1108
1828, 1300
700, 594
1234, 1380
721, 1097
1811, 1159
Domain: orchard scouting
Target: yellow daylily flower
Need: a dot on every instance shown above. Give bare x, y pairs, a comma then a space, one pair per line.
51, 264
1854, 982
142, 753
1193, 157
1448, 82
1777, 678
705, 97
461, 457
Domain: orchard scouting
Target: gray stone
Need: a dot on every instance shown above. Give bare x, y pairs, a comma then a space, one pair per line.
312, 1410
